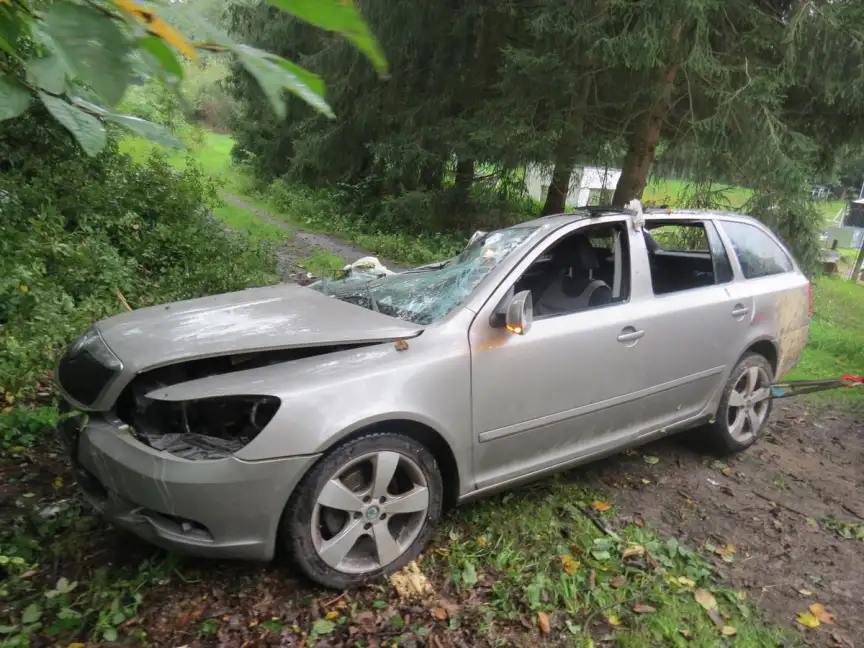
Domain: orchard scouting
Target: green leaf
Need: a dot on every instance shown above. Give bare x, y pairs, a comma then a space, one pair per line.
163, 54
322, 627
338, 16
88, 130
109, 634
92, 47
8, 629
14, 98
10, 28
146, 129
469, 575
48, 73
275, 75
32, 613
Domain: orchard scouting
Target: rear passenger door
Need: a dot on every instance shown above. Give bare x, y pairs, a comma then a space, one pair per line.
694, 324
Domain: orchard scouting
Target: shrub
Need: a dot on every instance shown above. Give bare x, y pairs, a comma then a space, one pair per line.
76, 230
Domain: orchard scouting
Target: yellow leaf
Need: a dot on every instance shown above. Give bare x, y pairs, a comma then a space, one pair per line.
58, 483
726, 470
726, 550
482, 541
569, 564
729, 631
73, 645
10, 398
646, 481
805, 592
807, 620
613, 620
686, 582
543, 623
705, 599
24, 288
332, 615
635, 550
6, 410
818, 610
742, 595
601, 506
158, 27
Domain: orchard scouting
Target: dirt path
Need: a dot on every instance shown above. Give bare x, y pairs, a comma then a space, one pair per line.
304, 244
774, 504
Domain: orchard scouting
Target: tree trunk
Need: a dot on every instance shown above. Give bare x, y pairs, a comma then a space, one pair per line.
567, 151
856, 273
646, 136
464, 175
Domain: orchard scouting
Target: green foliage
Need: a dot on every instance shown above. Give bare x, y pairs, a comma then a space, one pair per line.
62, 51
74, 230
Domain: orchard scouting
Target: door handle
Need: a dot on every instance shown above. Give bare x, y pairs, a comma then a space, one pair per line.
740, 310
630, 334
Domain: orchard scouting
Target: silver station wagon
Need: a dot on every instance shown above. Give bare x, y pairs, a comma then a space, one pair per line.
338, 421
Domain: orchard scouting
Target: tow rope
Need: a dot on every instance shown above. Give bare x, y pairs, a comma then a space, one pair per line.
799, 387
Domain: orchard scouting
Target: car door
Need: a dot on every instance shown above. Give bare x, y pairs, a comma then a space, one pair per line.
695, 329
566, 388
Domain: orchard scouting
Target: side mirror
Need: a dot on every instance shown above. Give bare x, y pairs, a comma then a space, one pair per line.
520, 313
515, 312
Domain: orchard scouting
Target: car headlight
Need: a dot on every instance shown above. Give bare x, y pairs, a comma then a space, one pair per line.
206, 428
87, 367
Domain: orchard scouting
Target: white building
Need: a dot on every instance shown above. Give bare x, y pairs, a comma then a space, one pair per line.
588, 185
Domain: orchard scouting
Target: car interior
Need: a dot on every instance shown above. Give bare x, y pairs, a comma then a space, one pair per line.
680, 257
584, 270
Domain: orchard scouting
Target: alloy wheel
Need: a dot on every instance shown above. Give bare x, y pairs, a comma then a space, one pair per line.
370, 512
748, 404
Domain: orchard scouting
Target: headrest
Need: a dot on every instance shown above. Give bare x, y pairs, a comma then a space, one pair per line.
576, 252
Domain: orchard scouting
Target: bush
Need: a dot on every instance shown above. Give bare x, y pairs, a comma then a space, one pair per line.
76, 230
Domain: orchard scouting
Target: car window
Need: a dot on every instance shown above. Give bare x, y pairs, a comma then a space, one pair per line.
758, 254
587, 269
426, 295
685, 255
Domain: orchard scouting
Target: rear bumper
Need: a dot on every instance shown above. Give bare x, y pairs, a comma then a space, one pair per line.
224, 508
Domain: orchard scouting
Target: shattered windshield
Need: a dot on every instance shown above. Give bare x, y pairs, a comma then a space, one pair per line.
428, 294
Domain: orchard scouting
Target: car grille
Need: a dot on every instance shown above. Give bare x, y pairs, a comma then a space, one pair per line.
82, 376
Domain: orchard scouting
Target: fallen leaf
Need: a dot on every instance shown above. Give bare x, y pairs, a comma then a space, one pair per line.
635, 550
650, 460
742, 595
726, 550
569, 564
807, 620
841, 641
543, 623
805, 592
401, 345
617, 582
482, 541
75, 645
641, 608
58, 483
332, 615
613, 620
726, 470
818, 610
410, 582
686, 582
729, 631
440, 613
601, 506
709, 604
646, 481
685, 633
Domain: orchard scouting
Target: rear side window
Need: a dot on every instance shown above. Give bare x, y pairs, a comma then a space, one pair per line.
757, 252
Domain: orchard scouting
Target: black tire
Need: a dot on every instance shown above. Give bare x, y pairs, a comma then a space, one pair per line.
297, 531
721, 434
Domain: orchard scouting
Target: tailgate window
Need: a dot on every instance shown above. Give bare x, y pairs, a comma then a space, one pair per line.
758, 254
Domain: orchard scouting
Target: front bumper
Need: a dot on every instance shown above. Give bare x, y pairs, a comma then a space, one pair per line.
225, 508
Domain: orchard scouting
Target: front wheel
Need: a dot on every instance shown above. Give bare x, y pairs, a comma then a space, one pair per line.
365, 509
745, 405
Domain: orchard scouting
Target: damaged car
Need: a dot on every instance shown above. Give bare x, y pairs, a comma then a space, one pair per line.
337, 421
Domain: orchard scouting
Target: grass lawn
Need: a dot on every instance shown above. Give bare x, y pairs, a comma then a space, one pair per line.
670, 192
836, 345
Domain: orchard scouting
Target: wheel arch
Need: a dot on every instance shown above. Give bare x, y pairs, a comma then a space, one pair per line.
423, 433
767, 348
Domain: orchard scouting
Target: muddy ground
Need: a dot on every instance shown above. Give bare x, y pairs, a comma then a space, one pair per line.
771, 504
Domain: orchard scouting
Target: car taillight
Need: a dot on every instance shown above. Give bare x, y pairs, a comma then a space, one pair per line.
810, 297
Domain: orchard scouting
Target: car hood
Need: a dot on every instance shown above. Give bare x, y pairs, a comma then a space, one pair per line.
257, 319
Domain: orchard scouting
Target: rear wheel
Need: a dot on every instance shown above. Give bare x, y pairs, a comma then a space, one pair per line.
366, 509
745, 405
